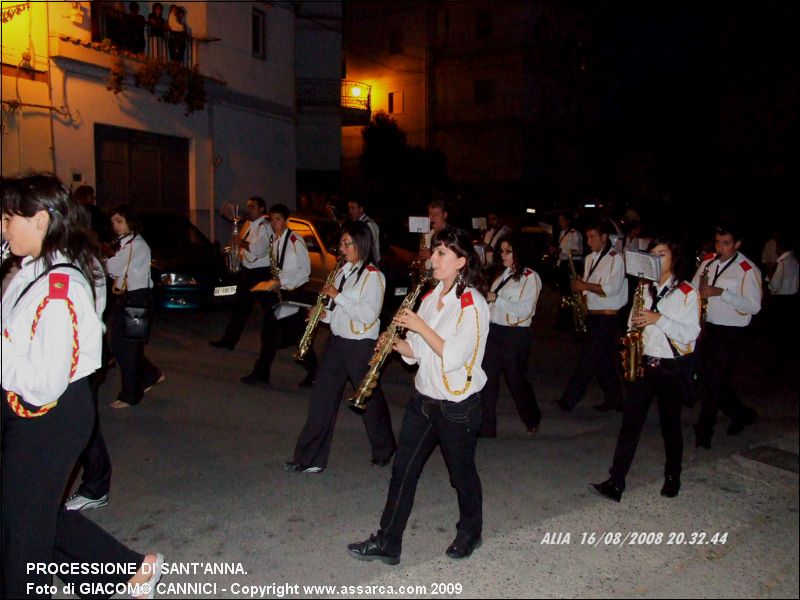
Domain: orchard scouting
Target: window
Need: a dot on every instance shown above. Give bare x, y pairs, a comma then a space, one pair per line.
259, 34
396, 41
395, 102
483, 25
484, 92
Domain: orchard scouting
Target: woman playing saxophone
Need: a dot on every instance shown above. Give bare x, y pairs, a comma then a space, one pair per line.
353, 312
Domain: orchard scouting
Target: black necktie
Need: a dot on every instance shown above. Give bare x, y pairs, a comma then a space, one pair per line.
657, 297
331, 303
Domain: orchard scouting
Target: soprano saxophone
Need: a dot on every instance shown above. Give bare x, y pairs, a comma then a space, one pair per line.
633, 341
358, 402
316, 314
704, 301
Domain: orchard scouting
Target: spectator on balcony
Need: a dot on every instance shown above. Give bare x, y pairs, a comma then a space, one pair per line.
156, 25
177, 37
134, 29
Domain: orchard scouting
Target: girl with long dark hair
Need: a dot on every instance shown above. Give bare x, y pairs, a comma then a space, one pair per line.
447, 339
51, 343
671, 325
512, 298
356, 297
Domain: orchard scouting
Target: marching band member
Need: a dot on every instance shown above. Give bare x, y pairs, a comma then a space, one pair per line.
130, 269
51, 343
570, 242
294, 266
357, 212
734, 296
254, 244
447, 339
671, 322
606, 291
512, 301
354, 317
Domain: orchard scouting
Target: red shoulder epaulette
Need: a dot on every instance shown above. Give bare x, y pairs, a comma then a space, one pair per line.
426, 295
372, 268
709, 256
745, 265
293, 239
527, 272
613, 252
685, 288
466, 300
59, 286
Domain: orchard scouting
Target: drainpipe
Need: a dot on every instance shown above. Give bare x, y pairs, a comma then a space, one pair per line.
212, 169
50, 94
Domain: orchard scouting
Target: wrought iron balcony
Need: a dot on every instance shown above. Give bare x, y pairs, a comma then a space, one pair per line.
353, 98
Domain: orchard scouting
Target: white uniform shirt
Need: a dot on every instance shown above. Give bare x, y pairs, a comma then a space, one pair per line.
516, 301
784, 281
462, 336
679, 321
296, 267
741, 298
133, 248
570, 241
257, 236
610, 274
376, 243
358, 306
38, 369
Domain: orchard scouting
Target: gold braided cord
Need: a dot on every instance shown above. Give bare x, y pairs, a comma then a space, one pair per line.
525, 318
471, 364
371, 325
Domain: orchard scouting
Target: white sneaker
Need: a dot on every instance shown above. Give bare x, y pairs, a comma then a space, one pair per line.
148, 588
78, 502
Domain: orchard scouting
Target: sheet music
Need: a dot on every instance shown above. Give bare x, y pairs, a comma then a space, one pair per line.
642, 264
419, 224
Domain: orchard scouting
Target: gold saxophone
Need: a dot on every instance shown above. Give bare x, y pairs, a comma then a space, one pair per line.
358, 402
704, 301
274, 269
418, 267
316, 314
633, 341
575, 301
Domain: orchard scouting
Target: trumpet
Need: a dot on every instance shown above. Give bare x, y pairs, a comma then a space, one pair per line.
316, 314
358, 402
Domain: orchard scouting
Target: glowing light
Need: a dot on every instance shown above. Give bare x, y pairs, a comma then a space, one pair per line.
531, 211
355, 91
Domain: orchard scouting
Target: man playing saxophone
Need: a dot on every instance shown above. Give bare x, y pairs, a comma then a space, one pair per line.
606, 290
353, 312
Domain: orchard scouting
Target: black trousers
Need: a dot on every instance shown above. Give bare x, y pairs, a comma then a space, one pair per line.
454, 426
719, 347
280, 333
96, 463
598, 356
662, 382
136, 371
244, 301
342, 360
37, 458
507, 351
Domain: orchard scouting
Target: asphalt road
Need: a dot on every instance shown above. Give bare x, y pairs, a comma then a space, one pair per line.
198, 477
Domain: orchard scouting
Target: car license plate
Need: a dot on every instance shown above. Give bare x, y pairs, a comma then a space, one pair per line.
228, 290
400, 291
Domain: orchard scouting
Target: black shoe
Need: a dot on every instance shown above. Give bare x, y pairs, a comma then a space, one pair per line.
463, 545
605, 407
254, 379
672, 485
701, 438
307, 382
293, 467
221, 344
564, 405
382, 462
748, 417
372, 549
607, 489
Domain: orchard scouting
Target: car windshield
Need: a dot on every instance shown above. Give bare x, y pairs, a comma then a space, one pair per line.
329, 232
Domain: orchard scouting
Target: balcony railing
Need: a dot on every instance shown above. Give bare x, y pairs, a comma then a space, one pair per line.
134, 34
318, 92
356, 95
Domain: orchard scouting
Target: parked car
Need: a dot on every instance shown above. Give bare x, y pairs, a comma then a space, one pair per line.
188, 270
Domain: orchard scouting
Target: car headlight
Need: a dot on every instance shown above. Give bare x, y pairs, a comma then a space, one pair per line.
177, 279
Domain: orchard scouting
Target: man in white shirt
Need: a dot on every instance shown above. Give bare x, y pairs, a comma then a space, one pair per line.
358, 212
254, 245
783, 287
734, 294
570, 242
606, 291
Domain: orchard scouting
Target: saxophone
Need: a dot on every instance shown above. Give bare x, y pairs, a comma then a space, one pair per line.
704, 301
274, 269
633, 341
234, 259
418, 267
316, 314
575, 301
358, 402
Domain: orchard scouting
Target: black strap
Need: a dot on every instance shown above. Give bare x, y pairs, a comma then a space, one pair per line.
56, 266
657, 297
730, 262
597, 262
331, 303
502, 283
282, 255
